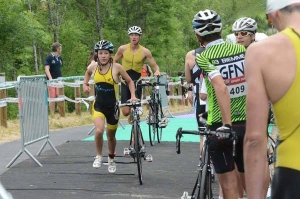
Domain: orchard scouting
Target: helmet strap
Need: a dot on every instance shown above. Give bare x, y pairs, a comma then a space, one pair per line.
102, 65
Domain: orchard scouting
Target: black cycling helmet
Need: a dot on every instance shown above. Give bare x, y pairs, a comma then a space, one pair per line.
104, 45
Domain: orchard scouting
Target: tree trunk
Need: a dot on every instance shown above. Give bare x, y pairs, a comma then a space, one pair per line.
36, 66
98, 20
39, 55
57, 24
51, 21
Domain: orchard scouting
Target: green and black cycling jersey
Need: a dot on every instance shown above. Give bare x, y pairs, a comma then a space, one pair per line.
227, 60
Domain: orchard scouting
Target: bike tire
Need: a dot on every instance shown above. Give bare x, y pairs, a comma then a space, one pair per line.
203, 182
208, 190
271, 152
137, 148
152, 130
159, 135
196, 189
159, 130
178, 151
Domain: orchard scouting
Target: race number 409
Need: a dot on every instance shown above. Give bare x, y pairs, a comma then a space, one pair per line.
237, 90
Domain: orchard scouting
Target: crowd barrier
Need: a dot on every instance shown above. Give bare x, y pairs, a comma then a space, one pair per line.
33, 114
61, 83
4, 194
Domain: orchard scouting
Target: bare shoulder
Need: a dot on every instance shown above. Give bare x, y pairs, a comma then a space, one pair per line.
264, 54
269, 46
92, 66
146, 51
122, 48
117, 66
190, 54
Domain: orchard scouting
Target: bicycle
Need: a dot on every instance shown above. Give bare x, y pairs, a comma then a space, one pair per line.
271, 161
136, 139
204, 178
155, 117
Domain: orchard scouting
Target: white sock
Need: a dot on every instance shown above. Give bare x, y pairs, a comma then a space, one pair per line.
220, 197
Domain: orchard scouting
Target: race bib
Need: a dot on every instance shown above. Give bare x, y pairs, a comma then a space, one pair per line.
233, 74
237, 87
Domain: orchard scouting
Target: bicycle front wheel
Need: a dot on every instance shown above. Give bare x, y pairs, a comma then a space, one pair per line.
205, 183
137, 148
159, 135
159, 130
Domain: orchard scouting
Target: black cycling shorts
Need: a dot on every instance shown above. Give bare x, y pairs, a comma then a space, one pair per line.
126, 95
221, 150
199, 109
110, 113
285, 183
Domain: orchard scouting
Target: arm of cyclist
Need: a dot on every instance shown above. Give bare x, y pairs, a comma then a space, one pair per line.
216, 79
203, 91
150, 71
89, 71
121, 71
257, 108
119, 53
189, 61
151, 60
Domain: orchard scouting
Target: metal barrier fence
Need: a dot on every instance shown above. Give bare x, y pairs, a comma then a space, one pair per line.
4, 194
33, 114
62, 82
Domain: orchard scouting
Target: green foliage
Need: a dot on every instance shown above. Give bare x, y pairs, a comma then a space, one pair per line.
166, 25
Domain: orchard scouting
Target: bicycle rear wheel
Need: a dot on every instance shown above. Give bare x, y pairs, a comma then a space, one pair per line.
137, 148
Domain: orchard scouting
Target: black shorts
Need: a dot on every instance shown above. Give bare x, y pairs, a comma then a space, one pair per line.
125, 93
190, 88
199, 109
221, 150
110, 113
285, 183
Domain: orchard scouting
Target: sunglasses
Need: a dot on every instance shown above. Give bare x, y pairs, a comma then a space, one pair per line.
242, 33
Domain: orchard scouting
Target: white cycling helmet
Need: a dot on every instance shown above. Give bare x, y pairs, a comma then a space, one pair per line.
135, 29
244, 24
207, 22
274, 5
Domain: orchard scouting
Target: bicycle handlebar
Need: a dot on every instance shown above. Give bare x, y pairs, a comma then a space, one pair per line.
133, 104
205, 132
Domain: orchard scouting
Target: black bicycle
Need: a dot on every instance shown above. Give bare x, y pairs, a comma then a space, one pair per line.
271, 161
137, 152
155, 116
202, 188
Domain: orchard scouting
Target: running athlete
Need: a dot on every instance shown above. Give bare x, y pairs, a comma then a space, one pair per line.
223, 68
192, 75
273, 73
133, 56
106, 107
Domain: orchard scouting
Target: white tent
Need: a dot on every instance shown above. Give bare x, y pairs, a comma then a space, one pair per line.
258, 37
